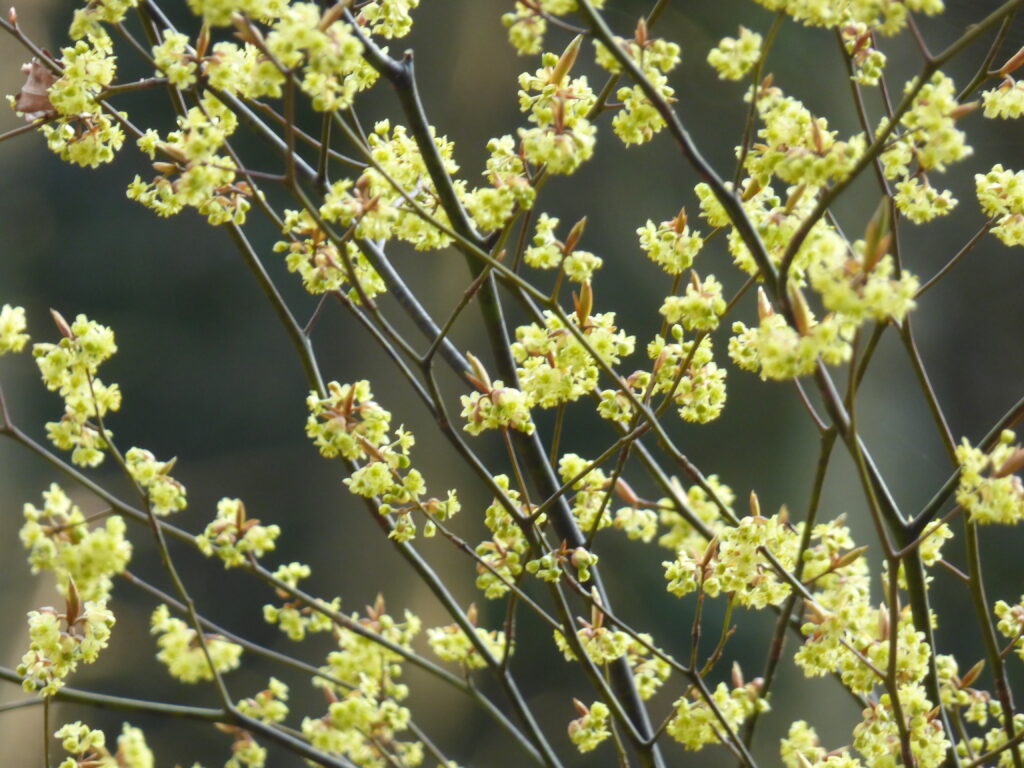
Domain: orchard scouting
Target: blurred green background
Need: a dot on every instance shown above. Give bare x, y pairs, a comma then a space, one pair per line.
209, 376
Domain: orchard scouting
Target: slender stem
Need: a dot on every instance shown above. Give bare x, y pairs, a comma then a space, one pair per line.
103, 701
955, 260
988, 634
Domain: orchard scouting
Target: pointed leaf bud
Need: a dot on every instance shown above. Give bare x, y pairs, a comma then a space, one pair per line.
764, 307
972, 674
62, 324
574, 236
333, 13
850, 557
479, 376
1013, 63
627, 494
877, 235
737, 675
567, 59
802, 315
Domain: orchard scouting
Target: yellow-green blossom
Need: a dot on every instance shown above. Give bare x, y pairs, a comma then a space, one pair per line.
182, 653
59, 641
695, 724
12, 329
700, 308
269, 705
1006, 100
450, 643
591, 727
562, 137
164, 494
990, 488
555, 367
1001, 194
88, 747
233, 537
295, 618
734, 57
69, 368
670, 244
59, 539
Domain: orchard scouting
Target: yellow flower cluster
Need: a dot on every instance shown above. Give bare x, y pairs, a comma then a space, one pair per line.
701, 306
330, 60
862, 285
548, 252
59, 539
687, 371
695, 724
527, 24
182, 653
219, 12
88, 747
58, 642
348, 422
562, 137
671, 244
797, 147
681, 535
296, 619
927, 140
802, 748
990, 487
269, 705
778, 351
591, 727
196, 176
366, 709
733, 57
885, 16
510, 186
868, 61
377, 209
1011, 623
324, 265
12, 329
87, 22
735, 563
503, 552
233, 537
388, 18
163, 493
638, 120
555, 367
451, 643
1001, 194
83, 132
1006, 100
69, 367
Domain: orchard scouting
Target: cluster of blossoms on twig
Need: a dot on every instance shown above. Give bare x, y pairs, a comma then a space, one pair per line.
818, 291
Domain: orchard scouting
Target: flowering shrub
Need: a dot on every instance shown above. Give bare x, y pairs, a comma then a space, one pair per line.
814, 303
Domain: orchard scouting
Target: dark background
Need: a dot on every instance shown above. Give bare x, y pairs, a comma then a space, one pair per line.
209, 376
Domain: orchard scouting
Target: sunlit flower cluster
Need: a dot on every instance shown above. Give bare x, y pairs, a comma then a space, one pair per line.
58, 642
12, 329
990, 486
348, 422
69, 368
638, 119
733, 57
182, 652
234, 537
59, 539
563, 136
87, 748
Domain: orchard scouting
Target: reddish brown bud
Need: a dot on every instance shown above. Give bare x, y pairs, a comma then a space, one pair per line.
62, 324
